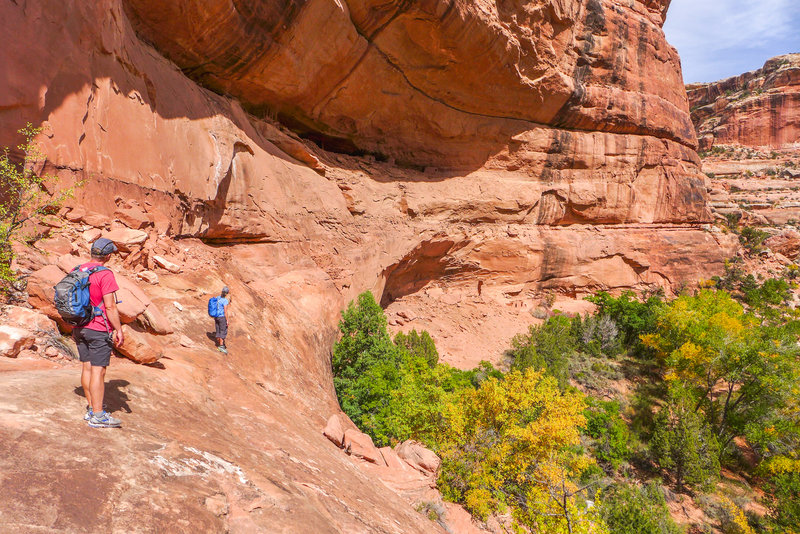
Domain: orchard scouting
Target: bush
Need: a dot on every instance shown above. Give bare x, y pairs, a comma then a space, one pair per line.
628, 509
631, 316
609, 432
547, 347
418, 345
752, 238
23, 198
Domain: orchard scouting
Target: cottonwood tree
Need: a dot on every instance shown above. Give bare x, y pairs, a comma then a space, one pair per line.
737, 371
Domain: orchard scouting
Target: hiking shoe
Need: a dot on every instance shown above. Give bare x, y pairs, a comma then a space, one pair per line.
104, 420
223, 350
88, 414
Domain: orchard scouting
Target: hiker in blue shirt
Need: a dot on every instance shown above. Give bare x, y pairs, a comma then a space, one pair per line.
221, 319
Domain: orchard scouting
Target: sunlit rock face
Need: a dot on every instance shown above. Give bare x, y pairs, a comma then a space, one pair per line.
471, 155
760, 108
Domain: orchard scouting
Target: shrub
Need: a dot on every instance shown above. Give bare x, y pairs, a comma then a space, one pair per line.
547, 347
632, 316
599, 335
683, 444
752, 238
418, 345
23, 198
629, 509
609, 432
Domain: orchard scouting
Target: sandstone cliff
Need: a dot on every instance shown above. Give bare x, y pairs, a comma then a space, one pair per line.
757, 109
302, 152
749, 131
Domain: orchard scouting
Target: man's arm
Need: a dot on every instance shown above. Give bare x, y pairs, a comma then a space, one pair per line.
110, 300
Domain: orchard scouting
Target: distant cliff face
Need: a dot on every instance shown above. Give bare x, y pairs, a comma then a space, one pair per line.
477, 153
757, 109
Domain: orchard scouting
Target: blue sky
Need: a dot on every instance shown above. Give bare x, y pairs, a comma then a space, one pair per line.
721, 38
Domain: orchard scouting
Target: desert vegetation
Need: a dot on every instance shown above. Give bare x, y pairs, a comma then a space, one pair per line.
548, 441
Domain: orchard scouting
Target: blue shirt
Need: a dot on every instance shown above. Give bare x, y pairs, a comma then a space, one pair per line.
221, 303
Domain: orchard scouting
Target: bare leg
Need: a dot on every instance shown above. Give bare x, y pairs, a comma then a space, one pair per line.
86, 373
98, 387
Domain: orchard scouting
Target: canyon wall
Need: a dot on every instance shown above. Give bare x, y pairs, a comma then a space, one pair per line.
760, 108
302, 152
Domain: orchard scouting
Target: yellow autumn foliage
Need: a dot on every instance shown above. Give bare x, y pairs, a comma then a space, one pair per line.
511, 445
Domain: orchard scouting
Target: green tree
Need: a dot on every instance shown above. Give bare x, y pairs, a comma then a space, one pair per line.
632, 316
365, 364
419, 345
546, 347
23, 198
609, 432
629, 509
683, 444
739, 371
392, 391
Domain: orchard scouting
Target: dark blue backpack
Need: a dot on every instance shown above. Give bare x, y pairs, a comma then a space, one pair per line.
214, 307
72, 297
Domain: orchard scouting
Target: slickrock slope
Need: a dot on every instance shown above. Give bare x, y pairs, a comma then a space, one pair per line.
481, 153
756, 109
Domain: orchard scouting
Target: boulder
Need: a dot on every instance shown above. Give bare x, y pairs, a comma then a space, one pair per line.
91, 235
155, 322
40, 289
140, 346
337, 424
55, 245
131, 301
393, 461
126, 239
786, 243
13, 340
95, 219
76, 214
360, 445
20, 328
132, 217
148, 276
167, 263
161, 223
67, 262
418, 456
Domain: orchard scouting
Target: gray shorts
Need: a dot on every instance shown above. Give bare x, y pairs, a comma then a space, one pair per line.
93, 346
221, 327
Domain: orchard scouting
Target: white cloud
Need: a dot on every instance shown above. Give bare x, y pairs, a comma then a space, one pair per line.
715, 36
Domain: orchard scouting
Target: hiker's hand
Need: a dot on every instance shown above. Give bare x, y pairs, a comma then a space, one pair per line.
119, 338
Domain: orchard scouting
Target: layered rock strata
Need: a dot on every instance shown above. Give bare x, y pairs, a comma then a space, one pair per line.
760, 108
502, 149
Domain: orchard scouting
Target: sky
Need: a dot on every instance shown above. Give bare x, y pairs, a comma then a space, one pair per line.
721, 38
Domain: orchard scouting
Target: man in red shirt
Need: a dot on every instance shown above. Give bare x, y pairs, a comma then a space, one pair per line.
96, 339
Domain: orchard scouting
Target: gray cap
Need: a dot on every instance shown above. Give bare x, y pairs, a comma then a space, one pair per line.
225, 290
103, 247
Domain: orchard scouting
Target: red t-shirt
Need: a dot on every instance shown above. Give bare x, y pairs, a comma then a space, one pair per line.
100, 283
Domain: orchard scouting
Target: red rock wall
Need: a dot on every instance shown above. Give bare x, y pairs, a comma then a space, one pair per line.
544, 146
757, 109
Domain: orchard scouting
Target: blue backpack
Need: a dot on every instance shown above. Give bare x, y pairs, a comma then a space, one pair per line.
72, 299
214, 309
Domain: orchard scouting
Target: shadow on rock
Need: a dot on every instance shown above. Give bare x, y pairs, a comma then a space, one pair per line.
115, 398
